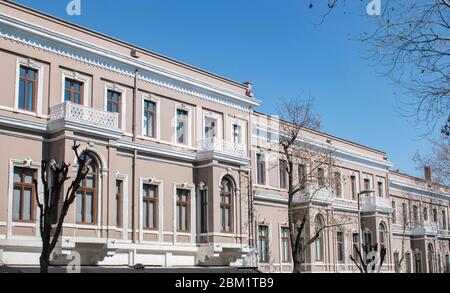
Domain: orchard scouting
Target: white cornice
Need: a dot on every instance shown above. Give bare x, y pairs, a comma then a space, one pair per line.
405, 187
51, 41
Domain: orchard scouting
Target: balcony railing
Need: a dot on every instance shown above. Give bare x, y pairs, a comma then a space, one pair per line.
215, 145
79, 113
375, 203
310, 194
425, 228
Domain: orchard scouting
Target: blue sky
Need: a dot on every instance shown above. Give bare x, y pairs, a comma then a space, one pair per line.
276, 45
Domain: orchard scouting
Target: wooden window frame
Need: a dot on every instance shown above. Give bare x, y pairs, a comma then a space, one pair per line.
185, 126
285, 238
35, 84
261, 169
84, 190
153, 113
22, 185
149, 200
72, 90
179, 204
340, 247
283, 174
224, 207
112, 102
266, 247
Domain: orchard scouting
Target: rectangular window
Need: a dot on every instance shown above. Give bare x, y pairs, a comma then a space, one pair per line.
415, 214
321, 177
337, 184
237, 134
435, 216
113, 102
425, 214
260, 169
283, 174
118, 205
203, 211
150, 206
182, 126
405, 213
353, 186
263, 244
396, 262
394, 213
380, 189
210, 128
444, 220
150, 119
73, 91
355, 245
23, 194
28, 87
302, 175
366, 184
183, 210
285, 255
340, 246
408, 263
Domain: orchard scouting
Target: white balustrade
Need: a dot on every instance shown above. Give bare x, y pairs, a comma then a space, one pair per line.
222, 146
75, 112
374, 203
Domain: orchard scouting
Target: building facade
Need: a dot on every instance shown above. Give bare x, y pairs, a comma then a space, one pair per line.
182, 172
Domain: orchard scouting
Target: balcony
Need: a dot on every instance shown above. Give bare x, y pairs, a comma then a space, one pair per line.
376, 204
425, 228
85, 119
219, 149
322, 196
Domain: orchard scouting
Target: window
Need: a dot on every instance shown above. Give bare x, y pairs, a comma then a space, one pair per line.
183, 210
353, 186
210, 128
321, 177
431, 262
203, 211
366, 184
263, 244
302, 175
28, 89
150, 119
319, 243
118, 205
23, 194
382, 235
418, 262
425, 214
182, 126
237, 134
380, 189
260, 169
285, 255
397, 262
113, 102
367, 238
340, 246
283, 174
355, 245
435, 216
405, 213
87, 195
73, 91
226, 206
394, 213
447, 264
415, 214
150, 206
408, 262
337, 184
444, 220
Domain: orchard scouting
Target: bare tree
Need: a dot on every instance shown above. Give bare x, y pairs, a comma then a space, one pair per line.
438, 160
371, 259
306, 166
411, 42
53, 177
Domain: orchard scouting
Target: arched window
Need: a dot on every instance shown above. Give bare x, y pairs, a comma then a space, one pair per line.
86, 205
226, 205
431, 258
319, 244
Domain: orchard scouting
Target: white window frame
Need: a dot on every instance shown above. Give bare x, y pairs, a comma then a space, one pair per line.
24, 163
157, 101
160, 230
40, 90
240, 123
77, 77
218, 118
123, 110
182, 107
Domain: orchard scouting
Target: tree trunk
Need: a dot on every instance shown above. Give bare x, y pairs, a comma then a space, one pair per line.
44, 261
297, 267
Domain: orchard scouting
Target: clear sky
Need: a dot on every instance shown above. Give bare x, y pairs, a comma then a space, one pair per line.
277, 45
